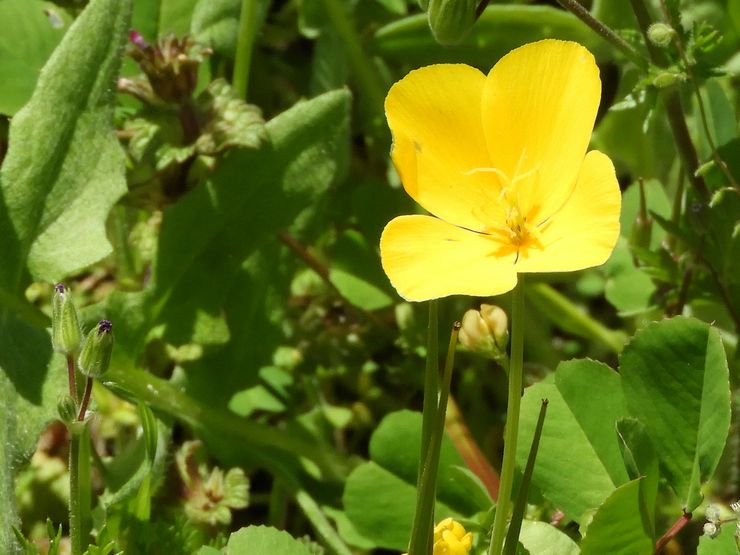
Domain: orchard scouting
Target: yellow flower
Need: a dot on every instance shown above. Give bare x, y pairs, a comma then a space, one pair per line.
500, 161
450, 538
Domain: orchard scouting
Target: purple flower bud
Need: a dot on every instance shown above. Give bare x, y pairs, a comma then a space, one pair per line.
136, 38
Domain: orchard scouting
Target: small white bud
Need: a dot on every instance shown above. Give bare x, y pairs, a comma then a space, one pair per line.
712, 513
711, 529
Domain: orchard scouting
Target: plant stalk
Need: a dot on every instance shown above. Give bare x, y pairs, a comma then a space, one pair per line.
606, 32
420, 531
79, 488
244, 47
503, 505
674, 109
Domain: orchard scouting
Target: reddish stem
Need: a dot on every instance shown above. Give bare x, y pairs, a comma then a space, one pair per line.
72, 377
682, 521
85, 399
469, 450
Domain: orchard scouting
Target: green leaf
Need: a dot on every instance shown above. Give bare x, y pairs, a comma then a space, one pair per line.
541, 538
357, 274
585, 403
620, 527
43, 184
395, 445
724, 544
216, 23
263, 539
628, 288
381, 506
27, 41
500, 29
641, 461
64, 168
175, 16
656, 201
206, 237
380, 496
31, 380
675, 381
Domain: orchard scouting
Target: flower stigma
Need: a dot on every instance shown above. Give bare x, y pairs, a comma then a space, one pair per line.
518, 231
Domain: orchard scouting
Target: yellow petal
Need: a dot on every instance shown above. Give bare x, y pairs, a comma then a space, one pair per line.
539, 107
426, 258
435, 116
584, 232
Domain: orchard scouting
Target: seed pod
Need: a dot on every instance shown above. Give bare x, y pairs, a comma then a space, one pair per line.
451, 20
67, 409
65, 327
95, 355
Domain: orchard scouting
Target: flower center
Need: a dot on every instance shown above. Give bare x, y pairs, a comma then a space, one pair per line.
514, 227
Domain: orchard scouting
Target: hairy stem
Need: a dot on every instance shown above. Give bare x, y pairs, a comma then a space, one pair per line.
604, 30
674, 109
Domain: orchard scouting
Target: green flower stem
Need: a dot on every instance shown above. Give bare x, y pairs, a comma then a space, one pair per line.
674, 109
368, 80
517, 515
244, 47
503, 504
163, 396
605, 31
420, 531
79, 488
568, 316
428, 489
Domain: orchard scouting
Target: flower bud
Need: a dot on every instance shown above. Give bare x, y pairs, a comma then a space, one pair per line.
485, 331
666, 79
711, 529
712, 513
451, 20
67, 409
450, 538
660, 34
95, 355
65, 328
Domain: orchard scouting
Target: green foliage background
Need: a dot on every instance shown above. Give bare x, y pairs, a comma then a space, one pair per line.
231, 236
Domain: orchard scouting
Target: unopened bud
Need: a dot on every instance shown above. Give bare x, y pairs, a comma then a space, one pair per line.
95, 356
485, 331
451, 20
660, 34
666, 79
450, 538
67, 408
712, 513
711, 529
65, 327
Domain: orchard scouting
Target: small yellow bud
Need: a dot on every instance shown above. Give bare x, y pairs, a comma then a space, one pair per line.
485, 331
450, 538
